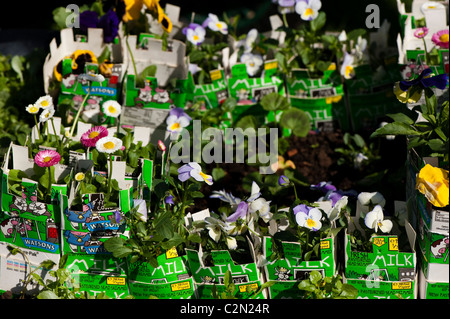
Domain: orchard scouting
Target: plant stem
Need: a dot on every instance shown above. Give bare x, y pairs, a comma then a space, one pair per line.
37, 127
49, 187
80, 109
132, 57
109, 174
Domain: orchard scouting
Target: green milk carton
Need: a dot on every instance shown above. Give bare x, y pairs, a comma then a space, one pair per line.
209, 95
371, 96
26, 221
85, 231
97, 274
432, 290
170, 280
248, 91
321, 98
385, 272
289, 271
208, 278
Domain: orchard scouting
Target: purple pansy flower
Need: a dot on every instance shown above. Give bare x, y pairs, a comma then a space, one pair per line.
308, 217
193, 170
109, 22
283, 180
324, 187
88, 19
169, 200
241, 212
425, 80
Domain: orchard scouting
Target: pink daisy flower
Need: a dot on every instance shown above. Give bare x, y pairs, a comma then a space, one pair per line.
440, 38
421, 32
47, 158
90, 138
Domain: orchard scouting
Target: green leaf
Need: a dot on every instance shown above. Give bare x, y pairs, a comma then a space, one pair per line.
319, 22
296, 120
315, 277
218, 173
274, 102
116, 245
395, 128
47, 294
402, 118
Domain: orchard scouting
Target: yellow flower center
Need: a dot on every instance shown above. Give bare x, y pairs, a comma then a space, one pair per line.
444, 38
112, 109
205, 177
219, 25
47, 159
33, 109
309, 12
348, 70
44, 103
79, 177
93, 134
311, 223
195, 37
109, 145
175, 126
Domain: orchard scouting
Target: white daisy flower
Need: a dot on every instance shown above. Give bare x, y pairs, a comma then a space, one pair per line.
112, 108
44, 102
32, 108
46, 115
108, 144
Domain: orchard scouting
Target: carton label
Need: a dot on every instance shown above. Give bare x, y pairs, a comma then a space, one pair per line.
393, 244
184, 285
215, 75
171, 253
118, 281
401, 285
379, 241
243, 288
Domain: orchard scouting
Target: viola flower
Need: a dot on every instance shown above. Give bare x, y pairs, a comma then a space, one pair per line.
283, 181
421, 32
241, 212
347, 68
433, 182
249, 41
32, 108
215, 228
195, 33
177, 120
193, 170
371, 199
337, 206
403, 89
231, 243
213, 23
46, 115
325, 187
90, 137
308, 9
47, 158
88, 19
169, 200
108, 144
308, 217
253, 62
109, 22
375, 220
261, 206
112, 108
44, 102
440, 38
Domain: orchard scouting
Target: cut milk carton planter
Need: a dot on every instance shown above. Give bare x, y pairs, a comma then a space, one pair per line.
14, 269
170, 280
169, 61
321, 98
69, 44
370, 96
289, 271
97, 274
432, 290
25, 221
384, 272
206, 278
209, 95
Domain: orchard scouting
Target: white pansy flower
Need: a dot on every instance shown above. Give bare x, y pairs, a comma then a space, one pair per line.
231, 243
253, 62
375, 220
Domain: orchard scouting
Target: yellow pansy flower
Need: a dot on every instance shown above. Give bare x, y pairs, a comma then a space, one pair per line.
433, 183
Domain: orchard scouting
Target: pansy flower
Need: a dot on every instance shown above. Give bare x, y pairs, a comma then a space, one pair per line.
215, 228
283, 180
308, 9
253, 62
308, 217
213, 23
375, 220
347, 68
177, 120
433, 182
47, 158
109, 22
440, 38
195, 33
421, 32
193, 170
411, 91
111, 108
108, 144
90, 137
